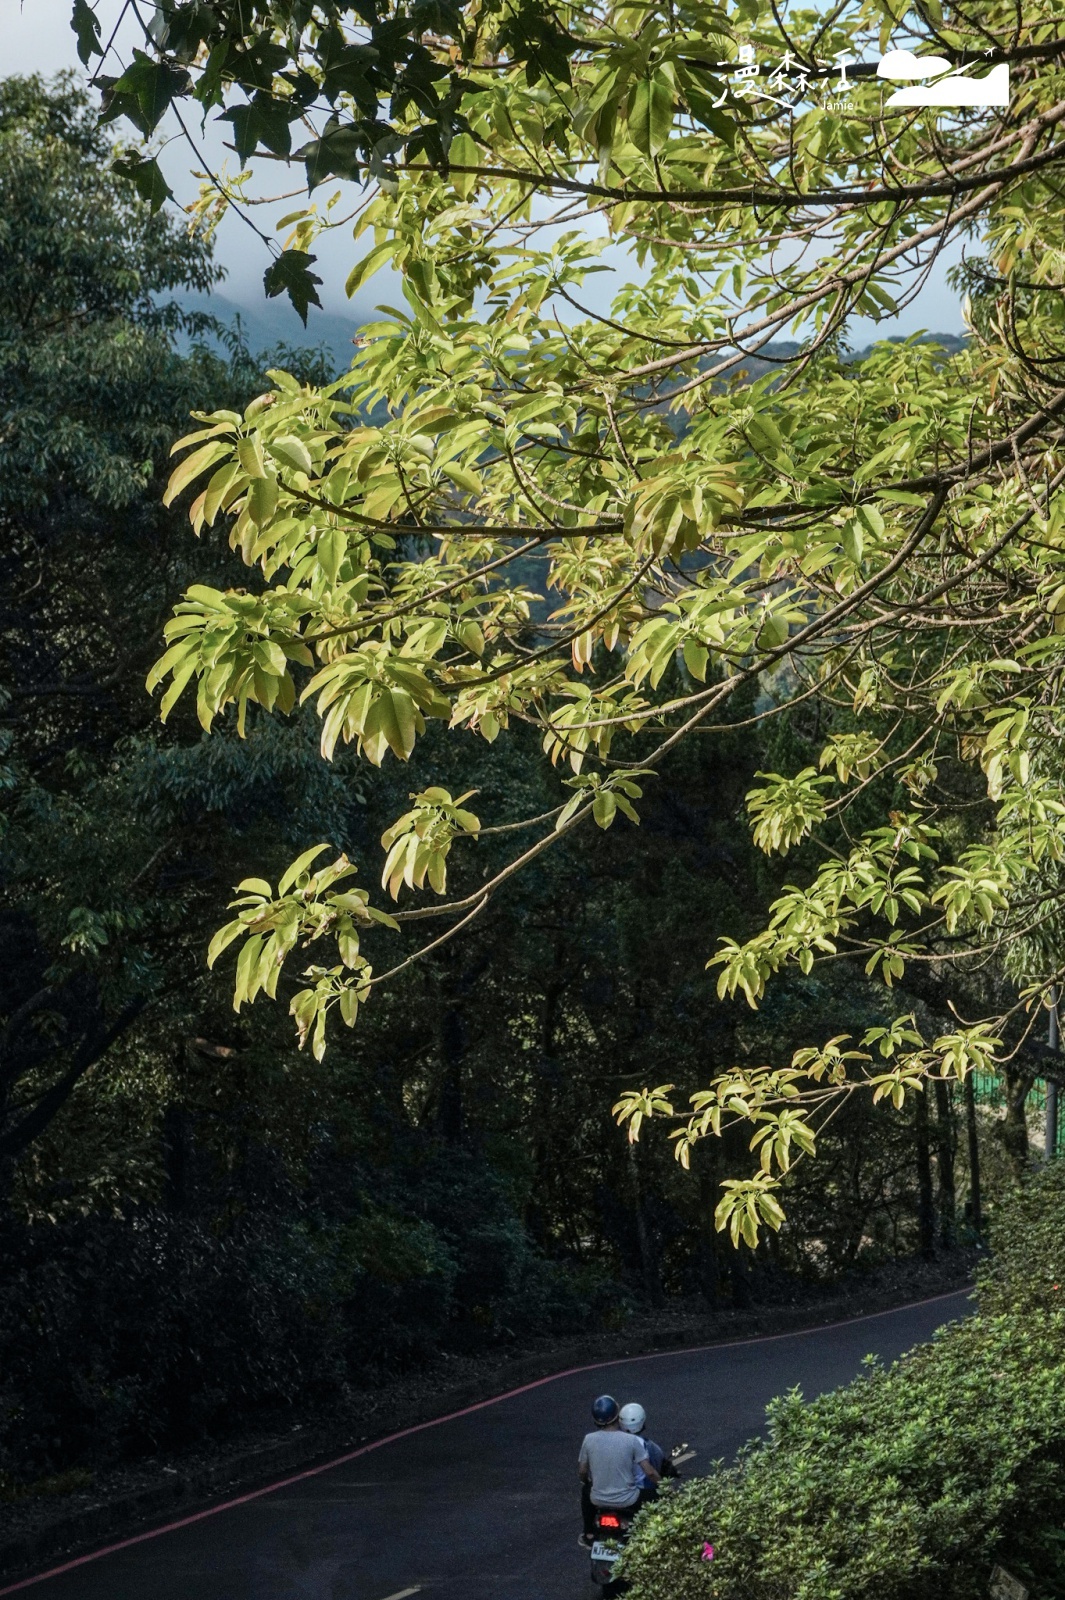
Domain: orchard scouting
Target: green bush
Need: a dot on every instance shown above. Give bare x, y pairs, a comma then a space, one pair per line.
909, 1483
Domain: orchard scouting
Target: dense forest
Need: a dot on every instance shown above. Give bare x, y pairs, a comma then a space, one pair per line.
200, 1223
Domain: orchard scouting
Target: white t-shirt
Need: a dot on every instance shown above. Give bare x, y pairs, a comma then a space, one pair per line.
613, 1460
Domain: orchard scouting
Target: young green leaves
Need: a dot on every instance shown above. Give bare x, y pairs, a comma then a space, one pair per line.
306, 908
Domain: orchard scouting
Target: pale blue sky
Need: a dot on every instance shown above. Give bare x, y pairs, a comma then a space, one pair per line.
35, 36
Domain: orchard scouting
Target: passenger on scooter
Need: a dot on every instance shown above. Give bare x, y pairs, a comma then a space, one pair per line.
633, 1419
610, 1465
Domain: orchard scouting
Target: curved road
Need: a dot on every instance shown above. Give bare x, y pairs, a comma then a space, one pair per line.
483, 1505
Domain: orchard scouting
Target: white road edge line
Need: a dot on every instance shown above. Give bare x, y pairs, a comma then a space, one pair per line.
402, 1594
689, 1457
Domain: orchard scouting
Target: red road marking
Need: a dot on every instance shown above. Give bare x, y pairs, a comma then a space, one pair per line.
453, 1416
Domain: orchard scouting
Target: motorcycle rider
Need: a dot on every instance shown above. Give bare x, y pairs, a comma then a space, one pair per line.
609, 1466
633, 1419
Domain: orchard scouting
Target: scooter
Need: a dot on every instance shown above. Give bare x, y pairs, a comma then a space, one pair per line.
612, 1530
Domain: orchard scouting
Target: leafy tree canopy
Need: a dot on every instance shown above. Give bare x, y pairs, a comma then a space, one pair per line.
519, 508
92, 383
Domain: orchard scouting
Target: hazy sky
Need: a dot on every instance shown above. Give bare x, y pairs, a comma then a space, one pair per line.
35, 36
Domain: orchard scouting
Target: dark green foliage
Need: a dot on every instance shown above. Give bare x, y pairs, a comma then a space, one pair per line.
93, 389
235, 1323
133, 1334
909, 1483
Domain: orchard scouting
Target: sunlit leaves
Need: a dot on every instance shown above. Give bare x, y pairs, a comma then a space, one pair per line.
975, 891
238, 648
515, 510
775, 1137
746, 1205
306, 908
419, 842
608, 797
785, 810
637, 1105
672, 511
852, 754
784, 1106
375, 699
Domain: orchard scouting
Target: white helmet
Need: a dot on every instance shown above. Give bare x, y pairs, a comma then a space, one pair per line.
633, 1417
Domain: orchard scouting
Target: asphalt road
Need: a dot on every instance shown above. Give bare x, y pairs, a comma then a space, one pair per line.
483, 1506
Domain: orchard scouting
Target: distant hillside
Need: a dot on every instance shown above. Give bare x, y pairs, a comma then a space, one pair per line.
269, 323
757, 366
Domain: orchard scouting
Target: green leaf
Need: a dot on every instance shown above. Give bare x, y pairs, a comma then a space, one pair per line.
250, 456
218, 490
604, 807
144, 92
291, 452
331, 551
222, 940
696, 657
263, 121
192, 467
299, 867
764, 434
651, 114
336, 153
291, 274
145, 175
463, 477
369, 264
871, 519
464, 152
86, 24
398, 721
247, 963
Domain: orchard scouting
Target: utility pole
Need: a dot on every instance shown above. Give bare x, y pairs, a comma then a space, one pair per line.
1051, 1135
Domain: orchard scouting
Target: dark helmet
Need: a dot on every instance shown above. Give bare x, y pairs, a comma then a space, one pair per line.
604, 1411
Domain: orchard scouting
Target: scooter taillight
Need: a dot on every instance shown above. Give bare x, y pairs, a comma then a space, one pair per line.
608, 1520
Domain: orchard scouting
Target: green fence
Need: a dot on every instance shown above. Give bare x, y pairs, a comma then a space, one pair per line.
988, 1091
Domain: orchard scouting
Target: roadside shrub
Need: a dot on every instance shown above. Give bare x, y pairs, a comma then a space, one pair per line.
909, 1483
1026, 1272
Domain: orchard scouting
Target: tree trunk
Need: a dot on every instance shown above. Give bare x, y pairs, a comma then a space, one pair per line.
450, 1118
926, 1218
176, 1154
1050, 1127
946, 1151
648, 1265
709, 1275
547, 1079
1013, 1130
741, 1283
975, 1211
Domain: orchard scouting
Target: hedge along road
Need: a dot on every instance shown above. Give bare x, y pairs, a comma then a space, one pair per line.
481, 1505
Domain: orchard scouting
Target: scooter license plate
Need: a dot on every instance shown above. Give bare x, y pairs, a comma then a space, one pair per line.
604, 1552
